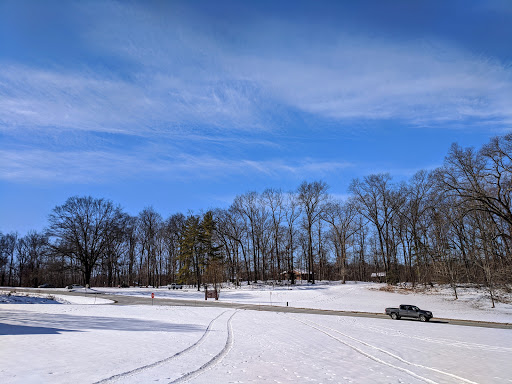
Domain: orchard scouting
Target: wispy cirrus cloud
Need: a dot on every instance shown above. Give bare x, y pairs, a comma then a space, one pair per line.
375, 79
211, 98
154, 105
332, 74
99, 166
181, 78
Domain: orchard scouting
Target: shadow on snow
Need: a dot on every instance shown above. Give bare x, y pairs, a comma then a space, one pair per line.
56, 323
14, 329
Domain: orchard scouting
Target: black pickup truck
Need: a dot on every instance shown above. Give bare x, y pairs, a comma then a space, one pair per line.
409, 311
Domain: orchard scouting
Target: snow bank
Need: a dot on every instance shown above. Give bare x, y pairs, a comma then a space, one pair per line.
13, 297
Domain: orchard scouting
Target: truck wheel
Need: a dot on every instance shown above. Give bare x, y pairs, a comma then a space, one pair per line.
423, 318
394, 316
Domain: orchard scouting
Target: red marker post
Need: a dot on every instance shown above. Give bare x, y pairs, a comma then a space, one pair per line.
152, 297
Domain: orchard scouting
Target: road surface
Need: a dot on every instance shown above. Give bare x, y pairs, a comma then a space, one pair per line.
136, 300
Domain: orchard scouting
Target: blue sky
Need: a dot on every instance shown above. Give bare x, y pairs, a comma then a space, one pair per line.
183, 105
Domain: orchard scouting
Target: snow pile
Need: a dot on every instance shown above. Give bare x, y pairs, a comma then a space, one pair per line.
7, 297
13, 297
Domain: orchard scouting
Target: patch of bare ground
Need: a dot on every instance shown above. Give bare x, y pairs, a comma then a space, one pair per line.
406, 289
504, 297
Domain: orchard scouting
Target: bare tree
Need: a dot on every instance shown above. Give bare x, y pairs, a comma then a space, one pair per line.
342, 218
131, 232
247, 206
312, 196
149, 224
235, 229
380, 203
7, 249
292, 213
274, 199
223, 220
421, 199
481, 183
484, 177
172, 234
81, 229
31, 252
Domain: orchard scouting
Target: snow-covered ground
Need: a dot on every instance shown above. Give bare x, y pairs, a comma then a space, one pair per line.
472, 304
13, 297
86, 343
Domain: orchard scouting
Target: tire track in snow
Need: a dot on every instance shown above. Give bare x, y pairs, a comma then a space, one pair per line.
163, 361
215, 360
319, 327
453, 343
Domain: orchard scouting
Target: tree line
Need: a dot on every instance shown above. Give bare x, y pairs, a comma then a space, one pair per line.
449, 225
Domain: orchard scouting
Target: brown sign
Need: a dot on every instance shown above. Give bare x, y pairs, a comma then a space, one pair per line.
211, 294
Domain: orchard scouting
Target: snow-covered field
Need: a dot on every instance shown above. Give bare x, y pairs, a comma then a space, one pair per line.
82, 342
361, 297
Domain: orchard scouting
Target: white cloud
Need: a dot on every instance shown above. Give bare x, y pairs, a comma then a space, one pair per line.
101, 166
181, 78
363, 78
156, 104
185, 86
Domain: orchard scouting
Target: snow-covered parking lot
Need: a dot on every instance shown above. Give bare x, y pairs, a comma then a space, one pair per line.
87, 343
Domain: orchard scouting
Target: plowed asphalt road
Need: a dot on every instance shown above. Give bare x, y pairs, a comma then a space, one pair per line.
135, 300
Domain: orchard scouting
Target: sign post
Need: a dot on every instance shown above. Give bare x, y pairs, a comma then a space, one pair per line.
152, 297
211, 294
